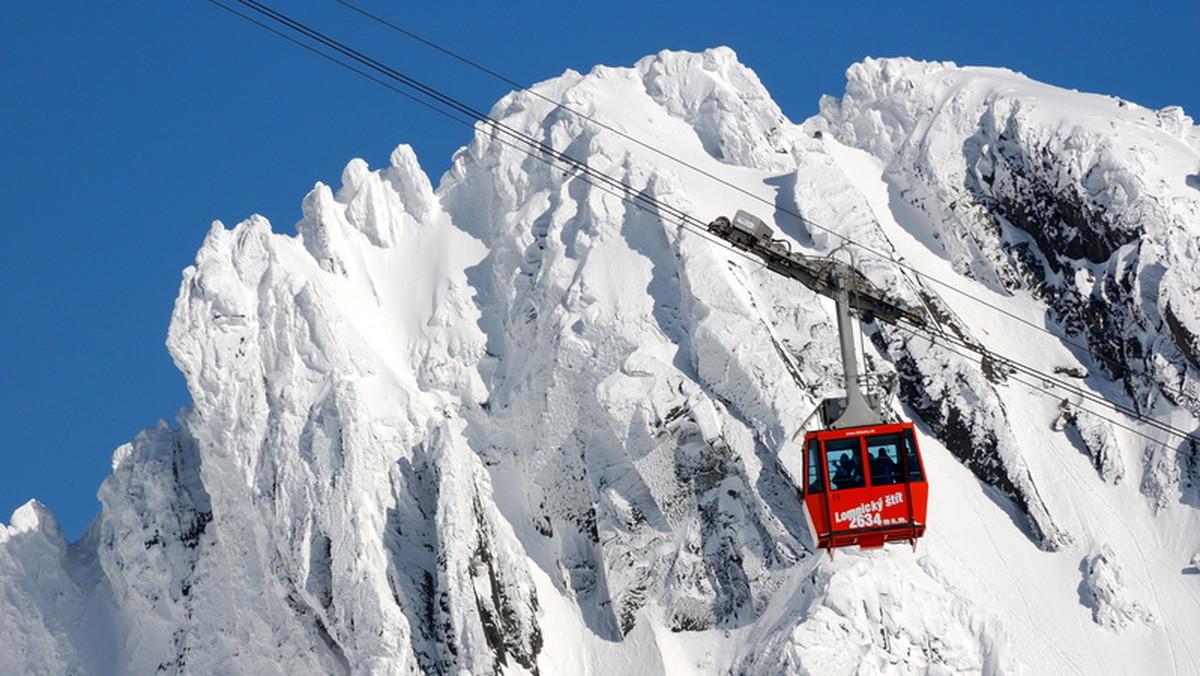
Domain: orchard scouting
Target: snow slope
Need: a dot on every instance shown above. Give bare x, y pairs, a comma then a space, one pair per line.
518, 425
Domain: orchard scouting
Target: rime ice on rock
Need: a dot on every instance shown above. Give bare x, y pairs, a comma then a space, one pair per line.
1097, 438
1105, 591
44, 614
1074, 197
733, 115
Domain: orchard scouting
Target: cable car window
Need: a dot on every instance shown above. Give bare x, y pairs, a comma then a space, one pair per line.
911, 460
845, 464
883, 453
816, 481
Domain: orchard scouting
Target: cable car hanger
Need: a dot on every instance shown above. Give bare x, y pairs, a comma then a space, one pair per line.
863, 478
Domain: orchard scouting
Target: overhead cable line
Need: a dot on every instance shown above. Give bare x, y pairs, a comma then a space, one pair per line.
455, 105
518, 140
1022, 374
1111, 362
505, 133
341, 63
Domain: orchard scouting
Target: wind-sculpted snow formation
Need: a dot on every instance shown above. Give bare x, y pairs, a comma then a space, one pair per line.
518, 425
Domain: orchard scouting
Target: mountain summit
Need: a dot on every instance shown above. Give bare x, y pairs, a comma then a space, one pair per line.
516, 424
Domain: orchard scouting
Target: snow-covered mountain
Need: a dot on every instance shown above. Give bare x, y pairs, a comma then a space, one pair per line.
516, 424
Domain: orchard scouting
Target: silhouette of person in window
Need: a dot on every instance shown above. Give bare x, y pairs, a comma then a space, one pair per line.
847, 474
883, 468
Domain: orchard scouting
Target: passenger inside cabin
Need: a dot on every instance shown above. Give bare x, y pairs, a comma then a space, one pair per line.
884, 470
848, 474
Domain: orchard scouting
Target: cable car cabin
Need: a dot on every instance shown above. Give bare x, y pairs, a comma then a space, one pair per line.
864, 486
864, 480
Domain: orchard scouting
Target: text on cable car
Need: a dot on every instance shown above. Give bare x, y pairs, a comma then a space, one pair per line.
868, 513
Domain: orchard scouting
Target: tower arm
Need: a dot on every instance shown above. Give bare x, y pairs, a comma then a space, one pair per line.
750, 234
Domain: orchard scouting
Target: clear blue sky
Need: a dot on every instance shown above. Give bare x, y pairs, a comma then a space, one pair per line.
127, 128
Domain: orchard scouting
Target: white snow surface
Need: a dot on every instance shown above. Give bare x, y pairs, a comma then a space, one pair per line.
518, 425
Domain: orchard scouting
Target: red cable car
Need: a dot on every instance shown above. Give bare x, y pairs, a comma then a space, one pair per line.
864, 483
864, 486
